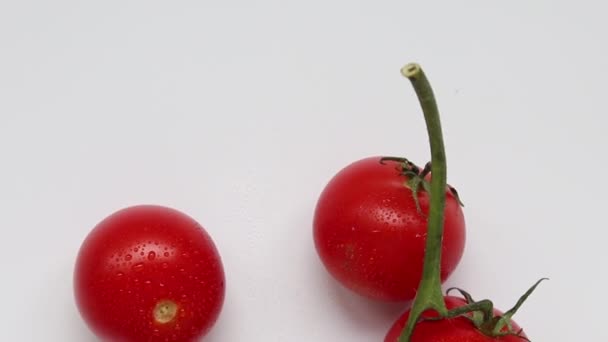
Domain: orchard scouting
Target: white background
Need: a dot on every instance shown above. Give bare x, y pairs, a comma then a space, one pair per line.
239, 112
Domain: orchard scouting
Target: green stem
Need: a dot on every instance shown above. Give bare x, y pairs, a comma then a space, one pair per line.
429, 295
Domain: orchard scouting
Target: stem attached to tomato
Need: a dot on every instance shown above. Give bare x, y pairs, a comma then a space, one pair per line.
429, 295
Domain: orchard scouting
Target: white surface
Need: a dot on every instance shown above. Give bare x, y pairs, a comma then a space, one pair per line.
239, 113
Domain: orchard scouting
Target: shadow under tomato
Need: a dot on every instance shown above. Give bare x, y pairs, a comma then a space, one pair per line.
365, 313
56, 291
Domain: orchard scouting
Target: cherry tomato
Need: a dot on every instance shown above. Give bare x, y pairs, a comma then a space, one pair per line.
149, 273
371, 236
458, 329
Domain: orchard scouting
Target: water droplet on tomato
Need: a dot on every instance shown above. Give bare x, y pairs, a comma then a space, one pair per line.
147, 282
151, 255
138, 267
142, 253
135, 249
128, 257
166, 254
119, 274
164, 265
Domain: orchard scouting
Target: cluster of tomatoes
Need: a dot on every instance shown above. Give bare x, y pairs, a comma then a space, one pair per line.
152, 273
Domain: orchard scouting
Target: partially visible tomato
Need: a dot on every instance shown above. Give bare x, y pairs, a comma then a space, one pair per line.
149, 273
458, 329
371, 236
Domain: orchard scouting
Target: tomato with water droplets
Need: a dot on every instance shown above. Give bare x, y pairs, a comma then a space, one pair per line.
370, 234
149, 273
459, 329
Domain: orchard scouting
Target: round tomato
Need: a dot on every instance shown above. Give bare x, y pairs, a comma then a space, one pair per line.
149, 273
370, 235
449, 330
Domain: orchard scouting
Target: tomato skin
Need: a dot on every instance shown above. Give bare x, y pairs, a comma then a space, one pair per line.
453, 330
370, 236
139, 258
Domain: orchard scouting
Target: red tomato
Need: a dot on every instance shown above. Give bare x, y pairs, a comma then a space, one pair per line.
458, 329
370, 235
149, 273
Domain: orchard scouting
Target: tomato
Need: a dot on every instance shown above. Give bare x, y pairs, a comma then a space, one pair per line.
371, 236
149, 273
458, 329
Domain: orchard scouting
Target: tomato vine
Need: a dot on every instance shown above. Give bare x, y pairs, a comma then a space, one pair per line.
429, 295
